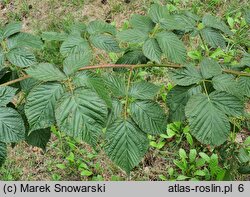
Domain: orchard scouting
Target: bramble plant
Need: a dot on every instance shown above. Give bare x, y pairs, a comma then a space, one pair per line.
92, 106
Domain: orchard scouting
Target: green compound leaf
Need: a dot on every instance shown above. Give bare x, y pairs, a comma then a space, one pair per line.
177, 99
211, 21
95, 83
81, 114
21, 57
105, 42
132, 36
40, 105
11, 126
6, 95
213, 37
39, 138
152, 50
149, 116
143, 23
227, 83
11, 29
46, 72
172, 47
158, 12
125, 144
100, 27
73, 45
186, 76
143, 90
207, 123
3, 153
210, 68
24, 40
227, 103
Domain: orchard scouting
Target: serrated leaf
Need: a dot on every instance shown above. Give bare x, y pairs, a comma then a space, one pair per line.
191, 15
73, 45
116, 85
186, 76
152, 50
39, 138
157, 12
3, 73
40, 105
125, 144
81, 114
143, 90
178, 22
78, 28
116, 111
21, 57
227, 83
1, 35
132, 36
24, 40
245, 61
247, 16
243, 155
149, 116
28, 84
11, 29
229, 104
94, 82
208, 124
143, 23
213, 37
7, 93
211, 21
100, 27
172, 47
177, 99
11, 126
46, 72
132, 56
3, 153
210, 68
105, 42
54, 36
2, 58
75, 61
244, 83
244, 170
